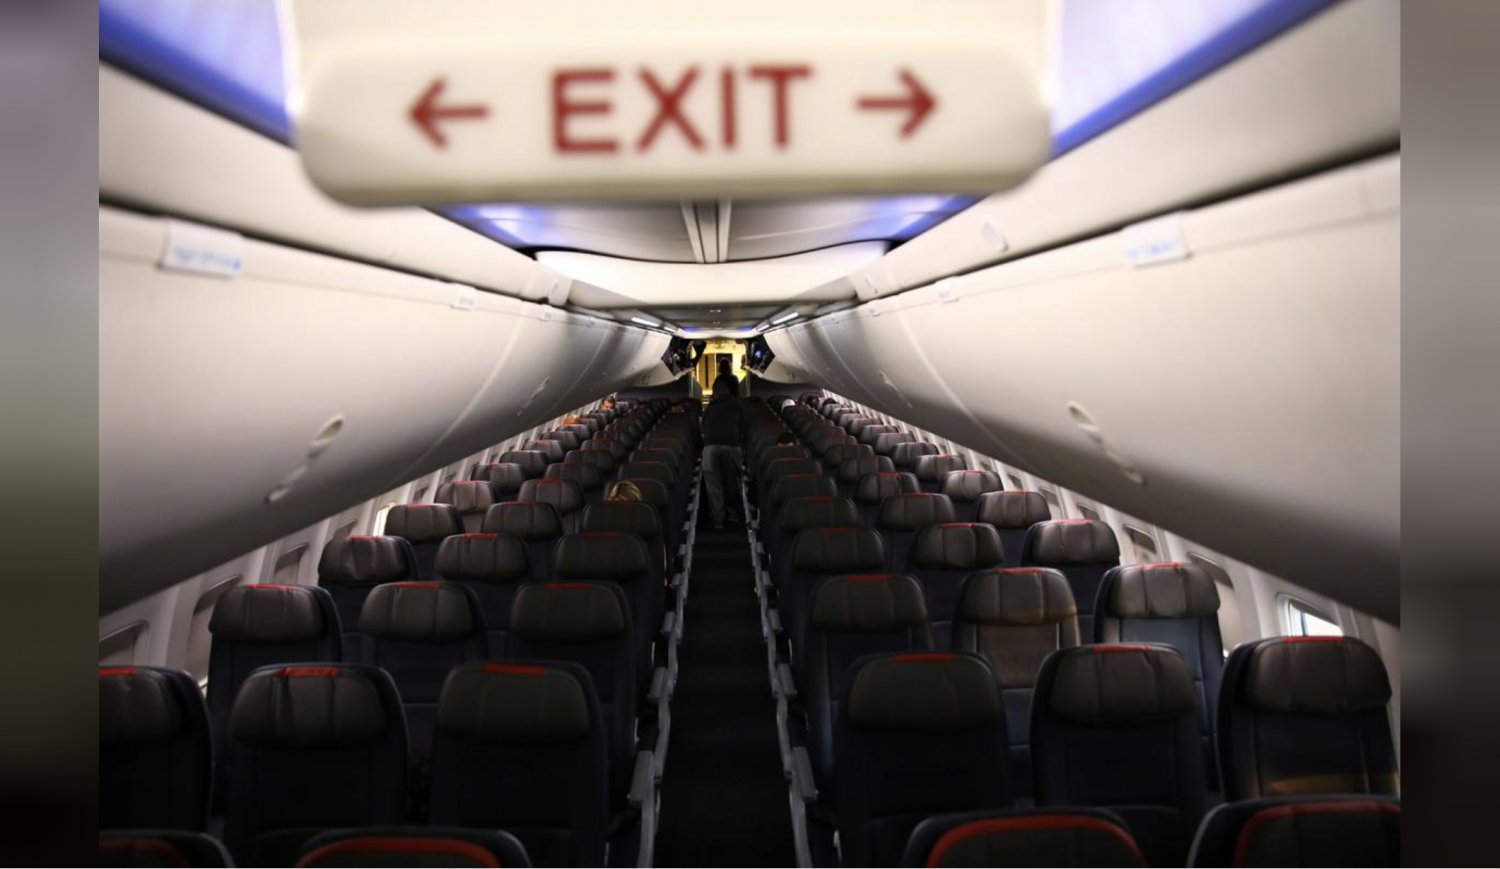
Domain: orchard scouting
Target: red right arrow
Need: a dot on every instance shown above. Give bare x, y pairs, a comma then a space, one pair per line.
426, 112
917, 100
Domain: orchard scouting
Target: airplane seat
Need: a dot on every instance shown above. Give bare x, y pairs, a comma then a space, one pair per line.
905, 455
599, 458
568, 439
818, 553
610, 556
589, 624
1083, 549
1329, 830
504, 477
823, 441
1011, 513
1024, 837
472, 499
532, 522
564, 495
351, 567
840, 453
130, 849
886, 443
312, 748
254, 626
553, 450
779, 468
931, 470
417, 632
155, 750
1116, 727
941, 557
873, 489
871, 433
850, 421
590, 482
1014, 618
412, 846
424, 526
1175, 604
491, 566
964, 489
632, 517
902, 516
610, 444
1300, 716
533, 462
854, 616
852, 470
521, 748
798, 514
921, 734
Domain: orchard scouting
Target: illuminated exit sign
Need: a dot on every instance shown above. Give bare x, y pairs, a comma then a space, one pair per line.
586, 100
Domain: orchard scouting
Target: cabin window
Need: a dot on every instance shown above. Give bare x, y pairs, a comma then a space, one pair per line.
1143, 543
1054, 504
289, 565
450, 476
200, 640
1231, 626
1088, 512
1301, 619
419, 495
378, 527
345, 529
118, 648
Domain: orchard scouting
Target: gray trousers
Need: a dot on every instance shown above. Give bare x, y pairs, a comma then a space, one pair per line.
721, 471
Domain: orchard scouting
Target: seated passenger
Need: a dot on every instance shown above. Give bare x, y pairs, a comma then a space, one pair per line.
624, 490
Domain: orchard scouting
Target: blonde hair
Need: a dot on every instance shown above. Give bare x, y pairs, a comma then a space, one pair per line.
624, 490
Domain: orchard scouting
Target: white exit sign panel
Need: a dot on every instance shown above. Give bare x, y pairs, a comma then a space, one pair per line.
426, 103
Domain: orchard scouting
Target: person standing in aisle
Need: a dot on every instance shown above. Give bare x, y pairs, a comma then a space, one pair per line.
724, 423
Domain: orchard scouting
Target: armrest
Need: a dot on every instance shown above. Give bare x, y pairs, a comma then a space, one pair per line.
643, 780
802, 776
668, 622
658, 687
774, 617
787, 682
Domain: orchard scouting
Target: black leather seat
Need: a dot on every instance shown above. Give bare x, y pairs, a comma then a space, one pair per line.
472, 498
921, 734
351, 567
254, 626
165, 848
885, 444
155, 755
564, 496
599, 458
873, 489
632, 517
505, 478
1024, 837
902, 516
491, 566
797, 515
871, 433
1015, 617
424, 526
553, 450
417, 632
533, 462
534, 523
1084, 550
569, 440
412, 846
1176, 604
837, 455
851, 471
312, 748
1012, 513
1116, 727
622, 559
964, 489
779, 468
932, 470
1338, 830
853, 617
793, 487
587, 477
656, 495
941, 556
905, 454
521, 748
1305, 715
817, 553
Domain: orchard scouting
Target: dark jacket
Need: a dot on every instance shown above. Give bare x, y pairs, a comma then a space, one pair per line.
734, 383
724, 422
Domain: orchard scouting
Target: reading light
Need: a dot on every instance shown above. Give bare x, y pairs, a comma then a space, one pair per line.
786, 318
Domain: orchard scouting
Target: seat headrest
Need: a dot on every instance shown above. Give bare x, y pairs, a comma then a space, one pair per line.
782, 467
869, 602
585, 475
600, 459
925, 691
1293, 832
419, 612
522, 704
886, 442
138, 704
600, 555
567, 612
838, 550
817, 511
913, 510
958, 546
423, 523
837, 455
938, 465
852, 470
659, 471
905, 455
366, 559
776, 454
626, 517
269, 614
1035, 837
468, 496
665, 457
802, 486
969, 485
527, 520
1017, 596
1012, 509
564, 495
874, 488
533, 462
504, 476
869, 433
1167, 590
401, 846
1322, 675
1106, 684
553, 450
482, 558
1072, 541
313, 706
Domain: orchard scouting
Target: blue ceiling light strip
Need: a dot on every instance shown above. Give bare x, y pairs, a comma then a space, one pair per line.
1256, 28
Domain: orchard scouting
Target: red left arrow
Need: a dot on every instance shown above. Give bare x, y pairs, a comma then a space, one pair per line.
426, 113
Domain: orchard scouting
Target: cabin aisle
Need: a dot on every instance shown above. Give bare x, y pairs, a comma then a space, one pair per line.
723, 796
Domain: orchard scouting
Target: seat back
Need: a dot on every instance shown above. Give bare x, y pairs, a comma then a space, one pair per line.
781, 468
569, 440
902, 516
533, 522
351, 567
837, 455
1305, 715
599, 458
905, 455
493, 568
819, 553
871, 433
851, 471
533, 462
796, 515
472, 498
885, 443
853, 616
564, 496
631, 517
1116, 727
506, 728
312, 748
1083, 549
586, 476
610, 556
941, 556
1337, 830
139, 848
417, 632
932, 470
553, 450
964, 488
155, 755
658, 496
794, 486
412, 846
423, 526
505, 478
920, 734
1012, 513
1024, 837
873, 489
